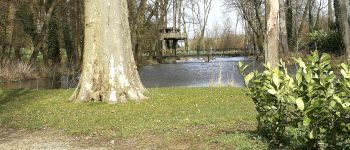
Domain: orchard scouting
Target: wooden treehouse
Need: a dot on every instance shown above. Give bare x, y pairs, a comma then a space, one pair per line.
169, 40
169, 37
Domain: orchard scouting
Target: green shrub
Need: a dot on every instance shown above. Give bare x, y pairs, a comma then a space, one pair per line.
310, 109
330, 42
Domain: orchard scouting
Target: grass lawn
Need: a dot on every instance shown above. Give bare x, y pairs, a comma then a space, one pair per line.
172, 118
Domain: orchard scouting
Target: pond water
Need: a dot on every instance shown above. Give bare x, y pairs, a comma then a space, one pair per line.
191, 73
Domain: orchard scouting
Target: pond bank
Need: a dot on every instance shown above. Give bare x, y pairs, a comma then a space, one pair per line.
190, 73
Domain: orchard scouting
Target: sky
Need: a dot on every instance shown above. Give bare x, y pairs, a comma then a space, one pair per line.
219, 15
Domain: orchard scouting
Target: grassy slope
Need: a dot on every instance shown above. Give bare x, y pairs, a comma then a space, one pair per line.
196, 118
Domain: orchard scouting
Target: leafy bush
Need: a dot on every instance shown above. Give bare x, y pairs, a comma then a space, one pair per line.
310, 109
326, 41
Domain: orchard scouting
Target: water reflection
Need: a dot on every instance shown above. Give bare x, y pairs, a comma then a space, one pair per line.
191, 73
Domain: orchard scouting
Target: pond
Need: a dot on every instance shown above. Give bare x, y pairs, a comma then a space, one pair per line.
189, 73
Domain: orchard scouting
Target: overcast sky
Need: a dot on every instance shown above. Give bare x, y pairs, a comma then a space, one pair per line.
218, 15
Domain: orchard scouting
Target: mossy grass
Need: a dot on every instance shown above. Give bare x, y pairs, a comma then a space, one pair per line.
202, 118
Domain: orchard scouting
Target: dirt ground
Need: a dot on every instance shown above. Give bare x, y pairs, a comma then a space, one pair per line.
49, 140
56, 140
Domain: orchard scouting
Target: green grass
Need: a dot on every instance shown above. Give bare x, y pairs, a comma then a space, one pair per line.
197, 118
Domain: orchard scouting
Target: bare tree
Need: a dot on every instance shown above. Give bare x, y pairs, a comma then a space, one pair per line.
201, 10
253, 13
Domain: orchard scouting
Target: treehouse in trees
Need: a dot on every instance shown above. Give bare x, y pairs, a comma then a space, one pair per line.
172, 34
169, 39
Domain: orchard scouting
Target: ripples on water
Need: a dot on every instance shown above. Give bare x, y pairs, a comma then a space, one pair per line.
190, 73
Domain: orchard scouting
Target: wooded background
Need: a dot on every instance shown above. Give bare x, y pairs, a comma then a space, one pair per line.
51, 32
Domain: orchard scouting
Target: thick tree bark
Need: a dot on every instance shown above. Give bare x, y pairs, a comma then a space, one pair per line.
344, 28
109, 72
272, 34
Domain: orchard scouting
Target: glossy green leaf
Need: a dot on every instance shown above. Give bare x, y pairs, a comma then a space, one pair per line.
276, 80
300, 103
306, 121
272, 91
248, 78
311, 135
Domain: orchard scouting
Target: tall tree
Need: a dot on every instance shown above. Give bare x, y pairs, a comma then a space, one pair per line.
283, 28
330, 14
201, 10
289, 23
109, 72
42, 17
272, 34
311, 16
302, 24
252, 11
10, 25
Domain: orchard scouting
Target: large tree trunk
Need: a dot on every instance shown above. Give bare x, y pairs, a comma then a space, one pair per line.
272, 34
344, 29
109, 72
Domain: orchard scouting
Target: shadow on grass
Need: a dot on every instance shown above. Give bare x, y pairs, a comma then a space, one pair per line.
245, 133
11, 95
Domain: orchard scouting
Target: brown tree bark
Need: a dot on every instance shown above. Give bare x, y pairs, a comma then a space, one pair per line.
137, 23
272, 34
109, 72
78, 32
283, 28
302, 24
330, 14
290, 23
311, 16
10, 25
42, 35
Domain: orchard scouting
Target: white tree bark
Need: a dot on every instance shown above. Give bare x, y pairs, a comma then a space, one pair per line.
109, 72
273, 34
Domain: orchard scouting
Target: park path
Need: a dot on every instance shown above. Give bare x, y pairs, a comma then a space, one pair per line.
47, 140
50, 139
